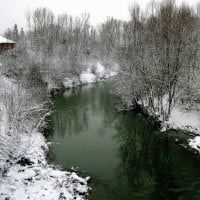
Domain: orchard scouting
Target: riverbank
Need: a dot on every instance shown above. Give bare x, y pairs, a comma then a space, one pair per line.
24, 171
32, 177
183, 117
94, 73
187, 120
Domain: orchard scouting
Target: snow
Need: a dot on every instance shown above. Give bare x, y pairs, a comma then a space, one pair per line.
181, 118
38, 183
34, 179
195, 143
80, 180
100, 70
40, 180
70, 83
7, 85
29, 173
94, 73
5, 40
87, 78
113, 73
3, 118
186, 120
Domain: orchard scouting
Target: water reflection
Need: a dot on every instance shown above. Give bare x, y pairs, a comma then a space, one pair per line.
149, 162
162, 169
121, 151
74, 109
77, 105
133, 149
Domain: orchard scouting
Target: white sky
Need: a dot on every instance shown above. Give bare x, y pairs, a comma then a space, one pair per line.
13, 11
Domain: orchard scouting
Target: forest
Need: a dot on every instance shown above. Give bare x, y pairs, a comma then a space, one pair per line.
156, 51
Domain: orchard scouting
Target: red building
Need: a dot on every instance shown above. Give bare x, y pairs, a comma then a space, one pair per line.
6, 44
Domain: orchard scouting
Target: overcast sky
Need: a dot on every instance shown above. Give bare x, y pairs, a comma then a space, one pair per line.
13, 11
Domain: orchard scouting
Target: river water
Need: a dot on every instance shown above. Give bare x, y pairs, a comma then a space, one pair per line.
126, 158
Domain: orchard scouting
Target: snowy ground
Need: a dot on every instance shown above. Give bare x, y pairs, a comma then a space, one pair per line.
186, 120
182, 117
34, 179
94, 73
30, 176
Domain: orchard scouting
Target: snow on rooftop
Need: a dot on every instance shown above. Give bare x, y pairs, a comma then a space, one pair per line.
5, 40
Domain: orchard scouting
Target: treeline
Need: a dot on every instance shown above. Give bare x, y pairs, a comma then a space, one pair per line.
59, 46
159, 58
157, 52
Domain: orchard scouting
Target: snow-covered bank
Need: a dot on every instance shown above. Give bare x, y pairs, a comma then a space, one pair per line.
182, 118
94, 73
24, 171
186, 120
33, 178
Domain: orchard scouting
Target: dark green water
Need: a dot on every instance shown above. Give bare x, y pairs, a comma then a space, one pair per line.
123, 154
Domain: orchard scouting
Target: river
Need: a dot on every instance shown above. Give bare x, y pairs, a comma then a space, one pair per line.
126, 158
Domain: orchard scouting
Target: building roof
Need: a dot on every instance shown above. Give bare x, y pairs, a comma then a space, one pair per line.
5, 40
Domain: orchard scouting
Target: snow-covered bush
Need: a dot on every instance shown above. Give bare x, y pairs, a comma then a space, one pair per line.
23, 108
